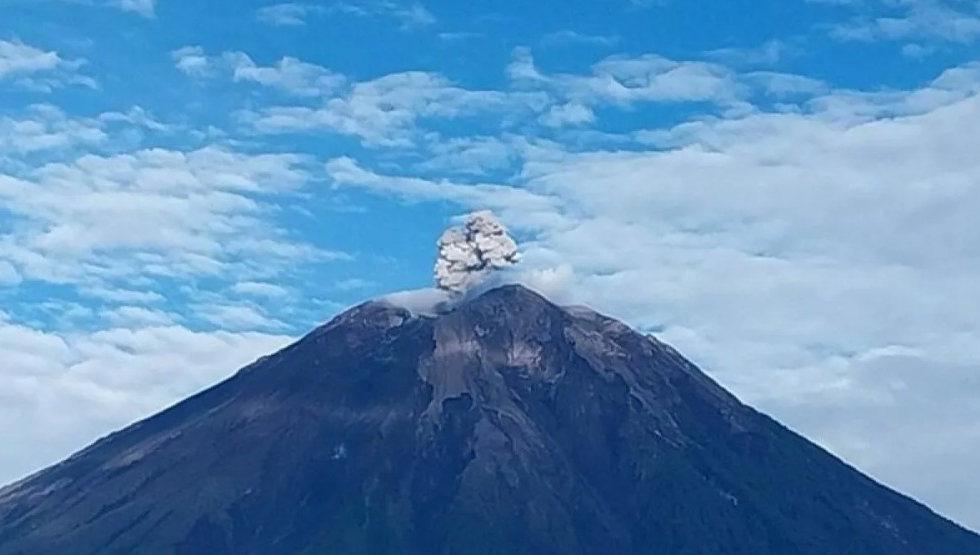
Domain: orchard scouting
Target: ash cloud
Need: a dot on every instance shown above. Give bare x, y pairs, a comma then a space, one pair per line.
469, 256
469, 253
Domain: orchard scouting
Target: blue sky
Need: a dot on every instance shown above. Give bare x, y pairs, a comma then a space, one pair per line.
787, 192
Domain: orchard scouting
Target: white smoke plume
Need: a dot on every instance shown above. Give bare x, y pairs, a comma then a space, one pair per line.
469, 253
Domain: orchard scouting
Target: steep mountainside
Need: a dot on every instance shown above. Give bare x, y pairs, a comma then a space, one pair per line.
507, 426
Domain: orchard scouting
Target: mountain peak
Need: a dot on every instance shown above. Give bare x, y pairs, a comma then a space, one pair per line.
511, 292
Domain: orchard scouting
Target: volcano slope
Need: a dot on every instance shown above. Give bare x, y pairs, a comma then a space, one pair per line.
508, 426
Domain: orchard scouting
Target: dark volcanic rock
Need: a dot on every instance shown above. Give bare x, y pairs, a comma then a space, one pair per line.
508, 426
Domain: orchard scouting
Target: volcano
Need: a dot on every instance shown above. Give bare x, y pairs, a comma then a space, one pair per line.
506, 425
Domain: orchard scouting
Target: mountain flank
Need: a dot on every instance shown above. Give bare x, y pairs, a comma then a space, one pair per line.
504, 426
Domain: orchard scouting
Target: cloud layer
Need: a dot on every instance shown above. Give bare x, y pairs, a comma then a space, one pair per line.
59, 391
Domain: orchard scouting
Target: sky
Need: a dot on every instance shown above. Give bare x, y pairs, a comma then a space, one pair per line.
785, 191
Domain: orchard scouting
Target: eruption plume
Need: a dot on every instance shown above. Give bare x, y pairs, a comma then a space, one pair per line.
469, 253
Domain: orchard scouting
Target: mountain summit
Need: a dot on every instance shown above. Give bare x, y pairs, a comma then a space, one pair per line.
507, 425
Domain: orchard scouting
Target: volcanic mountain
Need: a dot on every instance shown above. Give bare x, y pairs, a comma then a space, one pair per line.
506, 425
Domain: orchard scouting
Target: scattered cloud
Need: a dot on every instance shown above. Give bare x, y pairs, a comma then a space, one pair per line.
779, 85
293, 14
237, 317
146, 8
122, 295
767, 54
288, 15
389, 111
917, 51
17, 57
288, 74
8, 275
408, 15
571, 113
42, 70
153, 214
131, 315
468, 155
955, 21
457, 36
625, 80
347, 172
354, 284
384, 111
46, 127
192, 61
260, 289
567, 36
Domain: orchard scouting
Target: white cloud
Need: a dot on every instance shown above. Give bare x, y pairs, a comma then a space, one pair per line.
122, 295
392, 110
917, 51
260, 289
389, 111
933, 20
145, 8
293, 14
408, 15
571, 113
287, 15
782, 84
567, 36
625, 80
46, 127
129, 315
768, 53
413, 15
384, 111
61, 391
288, 74
37, 69
876, 422
153, 214
353, 284
457, 36
347, 172
17, 57
8, 274
468, 155
237, 317
192, 61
